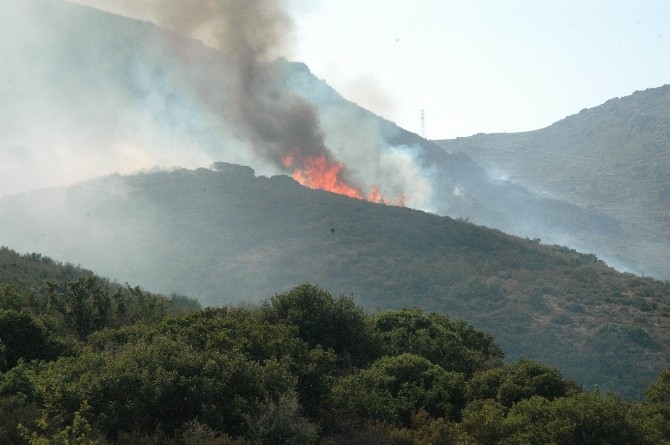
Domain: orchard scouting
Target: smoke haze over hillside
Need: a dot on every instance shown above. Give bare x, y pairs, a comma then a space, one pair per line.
89, 93
77, 103
86, 93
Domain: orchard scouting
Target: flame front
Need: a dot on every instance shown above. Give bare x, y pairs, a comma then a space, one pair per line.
375, 195
318, 172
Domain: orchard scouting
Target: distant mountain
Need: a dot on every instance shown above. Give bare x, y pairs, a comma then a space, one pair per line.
228, 236
611, 160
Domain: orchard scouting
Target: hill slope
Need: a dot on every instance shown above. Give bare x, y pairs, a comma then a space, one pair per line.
130, 95
228, 236
24, 283
613, 159
461, 188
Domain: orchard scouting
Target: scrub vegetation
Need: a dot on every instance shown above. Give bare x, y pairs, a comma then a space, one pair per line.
228, 237
300, 367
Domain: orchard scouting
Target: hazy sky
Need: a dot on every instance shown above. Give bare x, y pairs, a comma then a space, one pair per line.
484, 66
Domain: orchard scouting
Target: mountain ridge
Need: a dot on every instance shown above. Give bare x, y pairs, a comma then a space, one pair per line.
612, 159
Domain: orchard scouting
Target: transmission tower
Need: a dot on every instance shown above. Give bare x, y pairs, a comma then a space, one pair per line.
423, 123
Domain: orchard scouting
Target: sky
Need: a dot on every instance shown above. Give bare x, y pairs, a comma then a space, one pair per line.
480, 66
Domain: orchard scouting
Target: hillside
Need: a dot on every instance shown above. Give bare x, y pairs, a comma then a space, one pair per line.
129, 95
461, 187
88, 93
25, 278
613, 159
227, 236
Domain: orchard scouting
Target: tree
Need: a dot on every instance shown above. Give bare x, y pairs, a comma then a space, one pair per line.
280, 422
23, 337
592, 419
483, 421
79, 432
455, 346
85, 306
392, 389
585, 419
323, 321
15, 411
659, 392
517, 381
10, 298
657, 398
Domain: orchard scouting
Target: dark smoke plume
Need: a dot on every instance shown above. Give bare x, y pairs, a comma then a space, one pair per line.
251, 34
315, 145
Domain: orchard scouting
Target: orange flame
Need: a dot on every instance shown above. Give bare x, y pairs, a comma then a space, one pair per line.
318, 172
375, 195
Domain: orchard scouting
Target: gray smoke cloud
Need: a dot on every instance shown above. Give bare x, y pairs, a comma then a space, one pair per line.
279, 124
86, 93
82, 95
252, 34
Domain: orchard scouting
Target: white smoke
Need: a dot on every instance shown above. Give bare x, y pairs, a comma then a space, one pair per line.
85, 94
357, 140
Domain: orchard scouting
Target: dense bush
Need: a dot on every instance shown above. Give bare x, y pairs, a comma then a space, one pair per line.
304, 367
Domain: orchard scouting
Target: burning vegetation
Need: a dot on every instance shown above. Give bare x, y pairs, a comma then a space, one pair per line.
320, 172
282, 127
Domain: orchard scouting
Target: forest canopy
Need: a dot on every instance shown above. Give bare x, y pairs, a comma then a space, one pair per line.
303, 367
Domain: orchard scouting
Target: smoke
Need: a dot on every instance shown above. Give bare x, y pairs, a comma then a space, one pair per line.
81, 98
251, 33
86, 93
393, 170
281, 126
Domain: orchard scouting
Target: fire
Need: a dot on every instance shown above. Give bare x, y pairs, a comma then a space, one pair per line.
318, 172
375, 195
